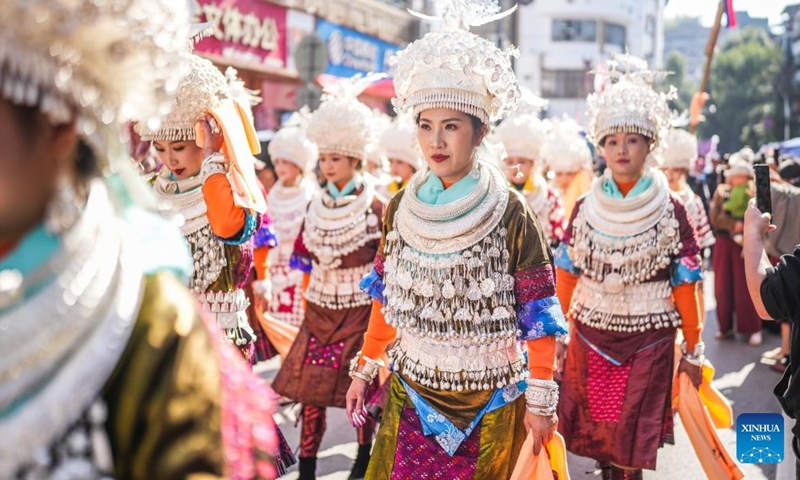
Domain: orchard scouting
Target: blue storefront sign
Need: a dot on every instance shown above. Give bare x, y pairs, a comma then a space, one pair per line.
351, 52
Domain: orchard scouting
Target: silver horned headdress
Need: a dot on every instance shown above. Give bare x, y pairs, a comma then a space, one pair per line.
453, 68
98, 63
629, 103
342, 124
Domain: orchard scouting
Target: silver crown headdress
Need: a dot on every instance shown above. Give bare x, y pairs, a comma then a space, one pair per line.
98, 63
203, 89
453, 68
342, 124
629, 104
680, 150
399, 141
291, 142
523, 133
566, 149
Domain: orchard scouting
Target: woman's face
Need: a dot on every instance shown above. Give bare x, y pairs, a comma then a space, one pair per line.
33, 155
626, 154
400, 169
267, 178
448, 141
183, 158
676, 177
564, 179
336, 168
516, 165
286, 171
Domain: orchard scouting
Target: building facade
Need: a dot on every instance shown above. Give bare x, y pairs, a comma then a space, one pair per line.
259, 39
561, 41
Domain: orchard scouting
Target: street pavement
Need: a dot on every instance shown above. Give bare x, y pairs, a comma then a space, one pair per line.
742, 376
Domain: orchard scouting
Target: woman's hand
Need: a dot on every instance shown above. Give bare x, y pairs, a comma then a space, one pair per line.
541, 427
695, 372
354, 402
212, 136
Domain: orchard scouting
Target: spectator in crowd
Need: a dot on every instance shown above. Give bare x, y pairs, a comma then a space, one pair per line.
775, 293
726, 215
782, 241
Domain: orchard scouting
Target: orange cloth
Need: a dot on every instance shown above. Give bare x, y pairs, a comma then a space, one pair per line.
625, 187
379, 334
565, 287
261, 262
306, 281
226, 219
551, 463
717, 463
446, 185
687, 302
541, 357
580, 184
281, 335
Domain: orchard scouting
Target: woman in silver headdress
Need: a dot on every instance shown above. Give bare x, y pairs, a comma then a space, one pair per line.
462, 276
628, 270
335, 248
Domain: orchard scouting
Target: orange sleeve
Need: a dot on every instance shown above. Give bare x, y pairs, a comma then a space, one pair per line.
379, 333
261, 263
542, 357
565, 287
306, 281
226, 219
687, 301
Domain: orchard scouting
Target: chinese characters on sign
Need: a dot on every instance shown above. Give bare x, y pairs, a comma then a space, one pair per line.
351, 52
247, 31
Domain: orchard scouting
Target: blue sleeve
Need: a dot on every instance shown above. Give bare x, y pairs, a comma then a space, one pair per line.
541, 318
372, 284
251, 223
562, 259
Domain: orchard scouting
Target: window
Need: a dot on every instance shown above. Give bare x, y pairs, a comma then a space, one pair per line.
614, 34
650, 27
574, 31
564, 83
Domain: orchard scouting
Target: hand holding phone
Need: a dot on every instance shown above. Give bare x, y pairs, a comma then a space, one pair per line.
763, 193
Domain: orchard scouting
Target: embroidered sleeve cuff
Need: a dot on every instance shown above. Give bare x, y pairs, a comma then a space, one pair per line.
541, 318
372, 285
686, 269
299, 262
535, 283
251, 222
562, 259
265, 237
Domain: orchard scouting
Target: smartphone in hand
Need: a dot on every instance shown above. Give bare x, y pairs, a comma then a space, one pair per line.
763, 193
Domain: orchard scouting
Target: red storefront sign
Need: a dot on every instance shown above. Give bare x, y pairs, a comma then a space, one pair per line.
246, 32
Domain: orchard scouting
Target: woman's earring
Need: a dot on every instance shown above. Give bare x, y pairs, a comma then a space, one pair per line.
62, 211
474, 172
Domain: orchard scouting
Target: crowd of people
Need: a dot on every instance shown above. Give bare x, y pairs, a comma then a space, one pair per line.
463, 278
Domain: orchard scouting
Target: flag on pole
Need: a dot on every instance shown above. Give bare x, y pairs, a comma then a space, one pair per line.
730, 13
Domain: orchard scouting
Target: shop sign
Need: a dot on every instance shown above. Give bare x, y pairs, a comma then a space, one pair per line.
351, 52
244, 31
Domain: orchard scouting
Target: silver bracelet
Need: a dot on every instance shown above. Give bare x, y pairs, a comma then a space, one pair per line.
370, 371
213, 164
542, 412
541, 393
697, 357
